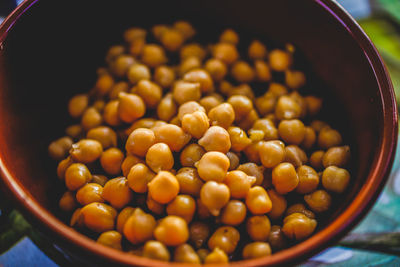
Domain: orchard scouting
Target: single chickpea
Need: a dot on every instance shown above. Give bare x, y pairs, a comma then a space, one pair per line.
280, 60
120, 65
213, 166
335, 179
308, 180
216, 256
86, 151
211, 101
268, 127
63, 166
98, 217
172, 39
138, 72
249, 120
122, 217
77, 105
154, 206
139, 176
242, 106
242, 72
222, 115
226, 238
111, 160
229, 36
284, 178
199, 233
336, 156
233, 213
113, 52
256, 250
150, 92
299, 208
136, 47
239, 139
59, 148
239, 183
89, 193
262, 71
279, 204
287, 108
172, 135
158, 30
234, 160
99, 105
188, 64
298, 226
67, 202
191, 154
242, 89
159, 157
225, 52
110, 239
254, 170
258, 201
110, 113
292, 131
225, 87
318, 125
328, 138
202, 77
185, 28
309, 138
117, 192
105, 135
196, 124
186, 91
258, 227
257, 50
164, 187
276, 238
74, 131
153, 55
295, 79
131, 107
77, 219
252, 152
271, 153
134, 33
186, 254
172, 231
202, 211
183, 206
314, 105
139, 227
189, 107
76, 176
316, 159
295, 155
164, 76
156, 250
128, 163
167, 108
216, 68
214, 196
139, 141
104, 84
216, 138
189, 181
318, 201
91, 118
193, 49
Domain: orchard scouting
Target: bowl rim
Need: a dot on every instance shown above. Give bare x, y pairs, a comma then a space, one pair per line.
329, 235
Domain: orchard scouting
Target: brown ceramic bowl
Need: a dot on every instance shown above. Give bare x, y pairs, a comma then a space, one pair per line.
50, 50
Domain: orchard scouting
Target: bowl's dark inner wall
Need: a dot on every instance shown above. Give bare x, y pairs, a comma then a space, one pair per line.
54, 49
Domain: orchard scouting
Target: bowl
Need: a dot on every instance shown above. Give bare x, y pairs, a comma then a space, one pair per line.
49, 51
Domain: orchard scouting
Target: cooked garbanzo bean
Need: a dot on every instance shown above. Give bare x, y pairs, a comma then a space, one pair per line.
68, 201
298, 226
335, 179
233, 213
172, 231
59, 148
285, 178
117, 192
213, 166
222, 115
215, 138
258, 227
89, 193
98, 217
139, 176
185, 253
183, 206
225, 238
256, 250
214, 196
239, 183
164, 187
189, 181
199, 232
318, 201
156, 250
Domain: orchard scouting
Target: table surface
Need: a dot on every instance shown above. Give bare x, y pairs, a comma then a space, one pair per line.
374, 242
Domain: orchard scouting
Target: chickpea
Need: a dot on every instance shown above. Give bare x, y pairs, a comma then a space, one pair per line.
76, 176
262, 71
111, 160
172, 135
167, 108
222, 115
121, 64
258, 227
191, 154
268, 127
252, 152
138, 72
199, 233
89, 193
226, 238
59, 148
77, 219
63, 166
233, 213
252, 169
104, 84
86, 151
196, 124
185, 28
105, 135
172, 231
153, 55
336, 156
139, 141
294, 79
117, 192
225, 87
188, 64
225, 52
122, 217
183, 206
276, 238
295, 155
67, 202
238, 139
309, 138
110, 239
91, 118
292, 131
128, 163
271, 153
229, 36
284, 178
234, 160
258, 201
216, 68
189, 181
256, 250
316, 159
203, 253
154, 206
150, 92
188, 108
74, 131
164, 76
328, 138
242, 106
335, 179
300, 208
239, 183
172, 39
193, 49
318, 125
134, 33
216, 256
164, 187
185, 253
202, 77
136, 47
98, 217
186, 91
242, 72
216, 138
139, 227
242, 89
138, 178
256, 135
308, 180
213, 166
214, 196
77, 105
249, 120
110, 113
279, 60
131, 107
279, 204
211, 101
314, 105
113, 52
298, 226
202, 210
287, 108
159, 157
156, 250
265, 104
318, 201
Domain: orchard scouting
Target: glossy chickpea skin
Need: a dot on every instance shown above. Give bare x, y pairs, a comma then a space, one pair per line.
285, 178
318, 201
216, 138
139, 176
279, 204
67, 202
139, 141
91, 118
271, 153
105, 135
188, 108
172, 231
336, 156
335, 179
130, 107
191, 154
258, 227
110, 239
239, 138
189, 181
233, 213
76, 176
214, 196
239, 183
256, 250
211, 101
196, 124
216, 68
117, 192
139, 227
222, 115
164, 76
164, 187
186, 91
183, 206
199, 233
185, 253
298, 226
59, 148
253, 169
258, 201
150, 92
276, 238
172, 135
226, 238
159, 157
213, 166
156, 250
111, 160
242, 106
98, 217
89, 193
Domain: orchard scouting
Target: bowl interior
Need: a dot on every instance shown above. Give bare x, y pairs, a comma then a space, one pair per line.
53, 50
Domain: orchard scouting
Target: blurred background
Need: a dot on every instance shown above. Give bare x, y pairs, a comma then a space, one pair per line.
374, 242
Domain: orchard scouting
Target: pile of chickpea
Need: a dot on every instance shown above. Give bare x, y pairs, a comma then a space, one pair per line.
175, 157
